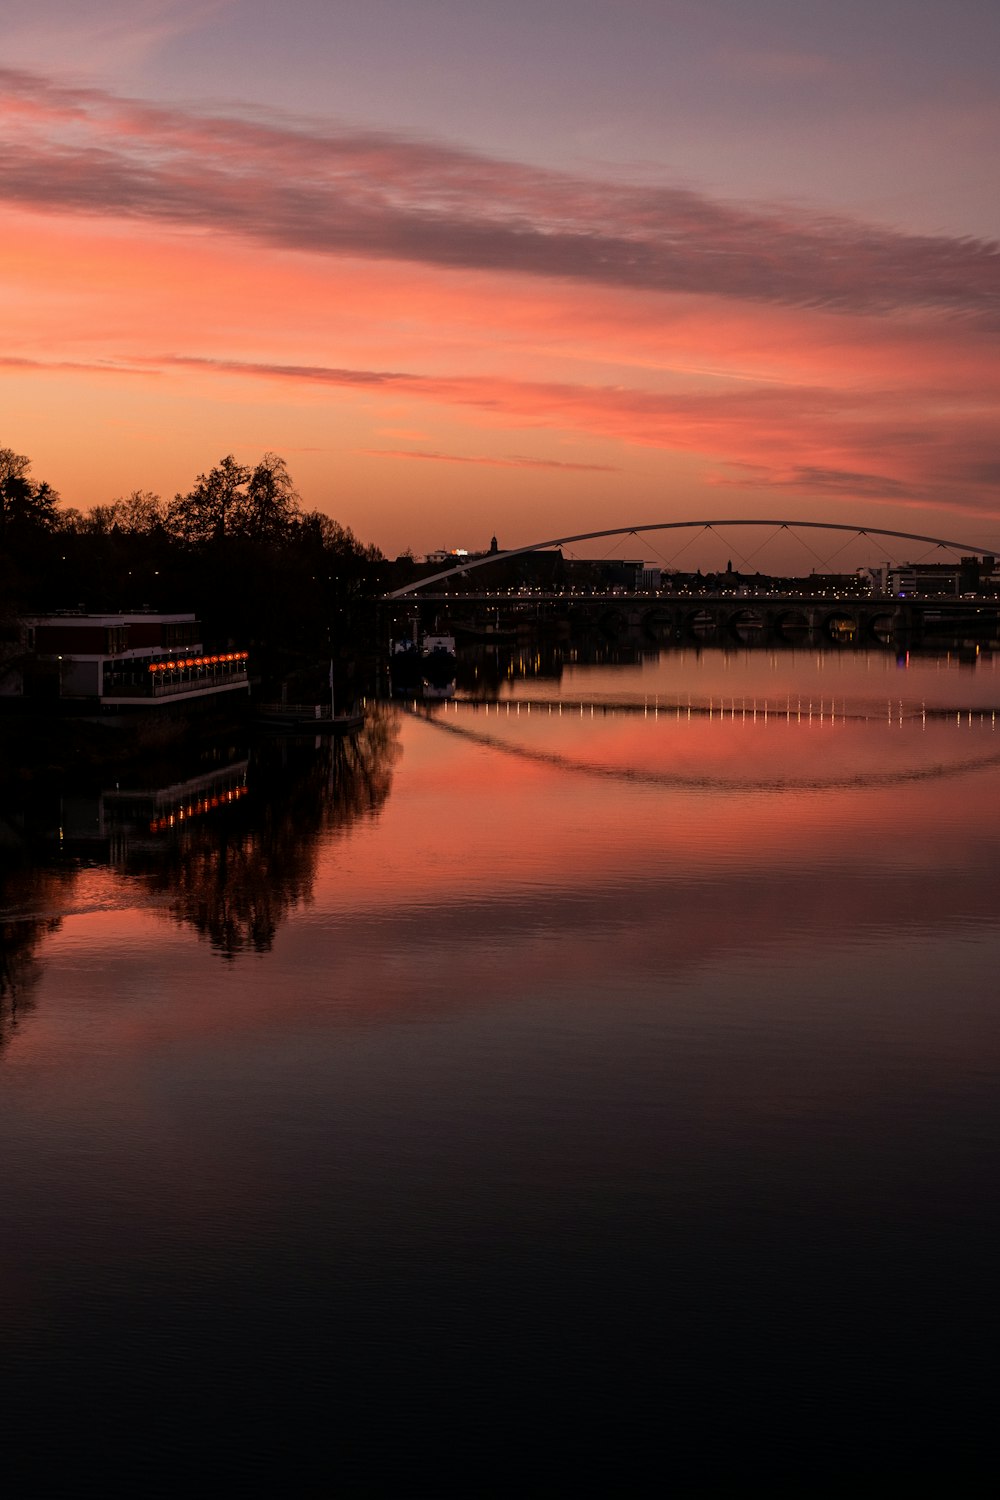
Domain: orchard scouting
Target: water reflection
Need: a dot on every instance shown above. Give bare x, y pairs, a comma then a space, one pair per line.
472, 721
486, 671
32, 897
558, 1076
231, 850
236, 880
20, 937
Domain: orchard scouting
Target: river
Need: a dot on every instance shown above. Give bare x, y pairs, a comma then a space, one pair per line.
587, 1079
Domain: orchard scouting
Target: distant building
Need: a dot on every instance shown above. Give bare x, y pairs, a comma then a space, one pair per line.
874, 578
942, 579
970, 575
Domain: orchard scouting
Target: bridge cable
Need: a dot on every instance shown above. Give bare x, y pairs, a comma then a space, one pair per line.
760, 545
940, 547
618, 545
802, 542
827, 559
838, 550
652, 548
730, 545
689, 543
746, 558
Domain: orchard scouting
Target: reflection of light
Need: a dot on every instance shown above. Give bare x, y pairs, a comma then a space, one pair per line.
196, 809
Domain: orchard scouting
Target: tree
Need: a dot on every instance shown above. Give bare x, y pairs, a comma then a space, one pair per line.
26, 508
320, 531
216, 506
272, 503
233, 500
138, 513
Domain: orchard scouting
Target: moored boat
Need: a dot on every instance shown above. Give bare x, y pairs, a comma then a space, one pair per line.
306, 718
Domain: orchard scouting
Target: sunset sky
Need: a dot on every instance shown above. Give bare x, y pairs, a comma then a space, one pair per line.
524, 269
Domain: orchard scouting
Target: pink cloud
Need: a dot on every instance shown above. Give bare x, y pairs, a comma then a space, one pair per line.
341, 192
763, 432
416, 294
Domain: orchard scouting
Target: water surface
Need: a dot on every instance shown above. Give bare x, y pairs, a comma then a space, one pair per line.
597, 1074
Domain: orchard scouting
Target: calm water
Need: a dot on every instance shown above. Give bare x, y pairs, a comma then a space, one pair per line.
596, 1081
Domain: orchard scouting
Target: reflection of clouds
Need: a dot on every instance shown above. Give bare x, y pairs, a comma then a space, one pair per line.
490, 883
855, 781
437, 954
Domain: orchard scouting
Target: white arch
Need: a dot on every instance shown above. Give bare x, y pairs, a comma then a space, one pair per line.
589, 536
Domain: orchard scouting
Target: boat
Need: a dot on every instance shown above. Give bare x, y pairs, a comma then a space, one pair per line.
438, 647
306, 718
488, 635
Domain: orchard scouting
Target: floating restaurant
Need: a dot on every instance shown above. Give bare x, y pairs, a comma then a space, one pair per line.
81, 663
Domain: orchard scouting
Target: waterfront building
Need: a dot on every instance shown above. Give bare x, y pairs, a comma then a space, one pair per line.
115, 662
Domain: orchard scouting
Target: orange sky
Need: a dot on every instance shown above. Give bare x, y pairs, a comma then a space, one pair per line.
448, 336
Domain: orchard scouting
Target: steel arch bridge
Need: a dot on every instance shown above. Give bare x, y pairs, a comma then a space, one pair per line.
469, 564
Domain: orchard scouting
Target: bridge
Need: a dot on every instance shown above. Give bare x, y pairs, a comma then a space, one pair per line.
773, 616
684, 606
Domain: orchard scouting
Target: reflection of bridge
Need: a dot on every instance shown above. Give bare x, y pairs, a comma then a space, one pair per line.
447, 718
750, 708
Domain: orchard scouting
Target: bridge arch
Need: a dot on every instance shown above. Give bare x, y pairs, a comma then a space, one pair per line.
589, 536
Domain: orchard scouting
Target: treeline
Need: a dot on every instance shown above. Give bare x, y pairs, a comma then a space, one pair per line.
237, 548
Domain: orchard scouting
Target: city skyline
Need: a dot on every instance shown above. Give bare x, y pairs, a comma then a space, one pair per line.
525, 275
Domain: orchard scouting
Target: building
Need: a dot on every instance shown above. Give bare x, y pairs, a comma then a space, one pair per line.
116, 662
938, 579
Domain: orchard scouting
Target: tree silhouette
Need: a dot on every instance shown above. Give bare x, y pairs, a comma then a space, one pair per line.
271, 503
215, 507
236, 548
25, 507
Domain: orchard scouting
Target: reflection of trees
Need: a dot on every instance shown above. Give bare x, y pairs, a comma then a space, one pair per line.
233, 874
236, 874
31, 891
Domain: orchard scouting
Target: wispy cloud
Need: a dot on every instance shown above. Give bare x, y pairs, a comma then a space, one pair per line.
88, 367
761, 434
852, 484
516, 461
345, 192
809, 440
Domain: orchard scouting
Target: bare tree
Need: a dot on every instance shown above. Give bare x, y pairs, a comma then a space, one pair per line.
272, 502
216, 506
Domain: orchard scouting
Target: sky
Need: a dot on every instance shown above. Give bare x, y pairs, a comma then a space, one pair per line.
523, 270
